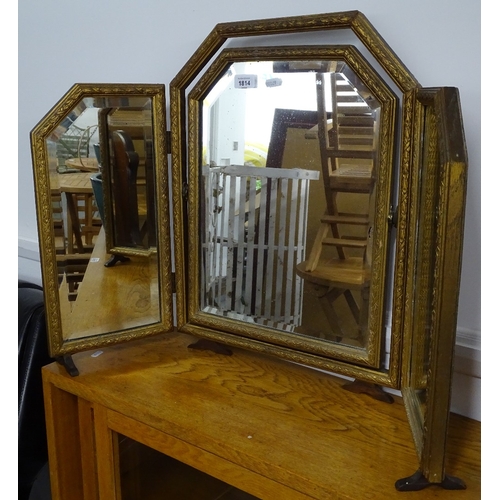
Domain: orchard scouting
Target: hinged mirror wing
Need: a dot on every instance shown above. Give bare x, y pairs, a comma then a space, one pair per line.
99, 159
434, 281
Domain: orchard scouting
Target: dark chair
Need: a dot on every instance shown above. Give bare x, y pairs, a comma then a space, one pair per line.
33, 482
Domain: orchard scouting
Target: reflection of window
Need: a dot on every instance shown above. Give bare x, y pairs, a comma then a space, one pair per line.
242, 137
78, 140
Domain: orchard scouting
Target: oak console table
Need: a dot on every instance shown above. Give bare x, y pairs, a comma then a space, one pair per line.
240, 427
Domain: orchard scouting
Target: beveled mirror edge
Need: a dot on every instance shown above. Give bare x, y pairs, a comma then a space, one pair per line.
371, 355
38, 136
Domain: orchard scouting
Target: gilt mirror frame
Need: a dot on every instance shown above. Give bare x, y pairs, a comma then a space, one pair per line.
434, 282
58, 345
107, 138
184, 124
370, 356
430, 218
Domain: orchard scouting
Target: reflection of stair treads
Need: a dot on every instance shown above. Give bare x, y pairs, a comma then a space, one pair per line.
345, 219
345, 242
353, 171
364, 143
350, 273
343, 97
352, 130
354, 108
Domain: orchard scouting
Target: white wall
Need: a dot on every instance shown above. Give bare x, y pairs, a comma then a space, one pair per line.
148, 41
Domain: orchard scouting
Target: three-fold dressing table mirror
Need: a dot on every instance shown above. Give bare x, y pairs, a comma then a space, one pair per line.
306, 203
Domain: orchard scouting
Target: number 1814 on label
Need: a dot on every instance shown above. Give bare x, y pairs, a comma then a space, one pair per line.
245, 81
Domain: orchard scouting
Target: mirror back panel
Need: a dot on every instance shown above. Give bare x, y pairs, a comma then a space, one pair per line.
100, 170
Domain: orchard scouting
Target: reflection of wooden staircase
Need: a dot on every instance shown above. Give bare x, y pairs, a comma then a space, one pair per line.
347, 146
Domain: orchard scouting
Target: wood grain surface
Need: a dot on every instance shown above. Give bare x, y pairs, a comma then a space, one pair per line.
264, 425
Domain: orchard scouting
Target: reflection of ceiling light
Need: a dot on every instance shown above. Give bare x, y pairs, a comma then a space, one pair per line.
274, 82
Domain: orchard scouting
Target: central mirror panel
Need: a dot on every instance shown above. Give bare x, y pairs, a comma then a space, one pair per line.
296, 160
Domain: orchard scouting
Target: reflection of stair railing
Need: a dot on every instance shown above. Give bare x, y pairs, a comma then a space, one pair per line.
253, 240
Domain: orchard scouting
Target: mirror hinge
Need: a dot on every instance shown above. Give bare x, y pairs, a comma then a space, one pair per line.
392, 218
185, 189
169, 142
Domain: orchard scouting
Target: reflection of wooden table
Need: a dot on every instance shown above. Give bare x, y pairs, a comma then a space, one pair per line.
78, 182
111, 299
72, 185
83, 164
274, 429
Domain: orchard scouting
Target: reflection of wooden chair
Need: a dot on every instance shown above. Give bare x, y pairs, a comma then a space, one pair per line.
84, 222
76, 225
347, 149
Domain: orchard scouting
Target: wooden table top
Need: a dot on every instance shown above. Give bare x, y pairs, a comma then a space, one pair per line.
83, 164
77, 182
285, 422
112, 298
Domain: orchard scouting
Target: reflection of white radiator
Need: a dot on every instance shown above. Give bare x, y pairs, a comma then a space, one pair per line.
254, 236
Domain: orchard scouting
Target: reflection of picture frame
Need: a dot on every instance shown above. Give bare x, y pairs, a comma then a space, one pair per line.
283, 120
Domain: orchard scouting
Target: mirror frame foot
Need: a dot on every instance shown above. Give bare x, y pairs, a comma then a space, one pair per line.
418, 481
67, 361
210, 345
114, 259
372, 390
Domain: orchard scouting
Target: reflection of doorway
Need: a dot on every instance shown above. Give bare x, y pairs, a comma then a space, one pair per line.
285, 119
225, 130
291, 146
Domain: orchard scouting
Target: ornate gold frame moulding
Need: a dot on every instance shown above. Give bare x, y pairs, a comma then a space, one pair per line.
430, 220
57, 345
181, 129
349, 54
